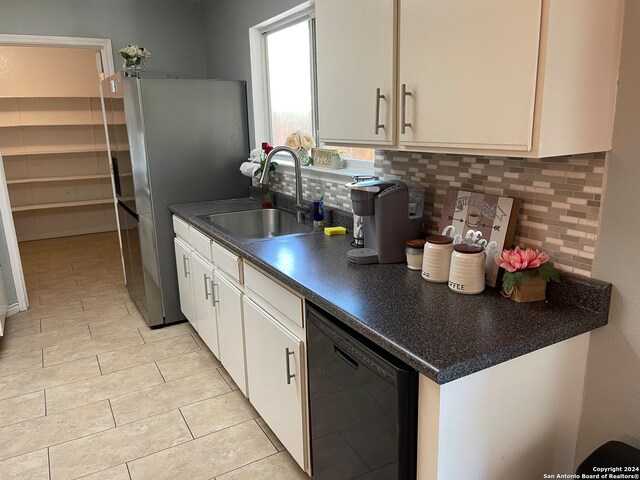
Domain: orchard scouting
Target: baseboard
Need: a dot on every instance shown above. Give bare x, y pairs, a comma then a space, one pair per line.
13, 309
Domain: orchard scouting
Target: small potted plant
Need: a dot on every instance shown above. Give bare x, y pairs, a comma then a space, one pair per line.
527, 273
336, 159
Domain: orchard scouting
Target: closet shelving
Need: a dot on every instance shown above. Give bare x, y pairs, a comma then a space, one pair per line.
53, 144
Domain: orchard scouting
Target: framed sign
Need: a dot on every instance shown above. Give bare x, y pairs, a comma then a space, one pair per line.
321, 157
480, 219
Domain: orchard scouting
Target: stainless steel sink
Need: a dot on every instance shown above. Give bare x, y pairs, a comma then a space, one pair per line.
264, 223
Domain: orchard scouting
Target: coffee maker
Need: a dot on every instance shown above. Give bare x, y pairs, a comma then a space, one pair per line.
384, 207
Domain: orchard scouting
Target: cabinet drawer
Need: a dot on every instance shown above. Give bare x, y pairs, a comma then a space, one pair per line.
281, 298
200, 243
227, 261
181, 228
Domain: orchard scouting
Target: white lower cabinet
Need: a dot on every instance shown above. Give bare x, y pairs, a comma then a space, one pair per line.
185, 289
205, 302
276, 378
231, 329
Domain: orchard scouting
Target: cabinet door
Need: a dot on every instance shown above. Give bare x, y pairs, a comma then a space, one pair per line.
276, 379
355, 49
469, 71
185, 288
202, 278
230, 329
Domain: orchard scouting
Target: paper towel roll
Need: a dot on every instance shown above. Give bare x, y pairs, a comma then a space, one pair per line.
248, 168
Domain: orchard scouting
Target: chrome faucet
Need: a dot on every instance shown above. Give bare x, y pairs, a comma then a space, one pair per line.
264, 178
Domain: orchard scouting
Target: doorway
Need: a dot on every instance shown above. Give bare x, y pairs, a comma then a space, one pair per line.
55, 176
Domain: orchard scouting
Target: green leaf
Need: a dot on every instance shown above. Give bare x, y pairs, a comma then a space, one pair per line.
510, 280
548, 272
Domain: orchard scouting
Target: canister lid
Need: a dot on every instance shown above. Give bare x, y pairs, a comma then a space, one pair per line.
416, 243
439, 239
465, 248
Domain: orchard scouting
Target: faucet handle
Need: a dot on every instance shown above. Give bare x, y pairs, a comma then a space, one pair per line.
302, 208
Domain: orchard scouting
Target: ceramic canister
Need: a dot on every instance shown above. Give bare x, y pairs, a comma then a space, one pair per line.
437, 258
466, 274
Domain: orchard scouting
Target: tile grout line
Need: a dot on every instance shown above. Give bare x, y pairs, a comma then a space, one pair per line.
128, 471
59, 443
247, 464
187, 441
45, 402
193, 437
265, 434
115, 423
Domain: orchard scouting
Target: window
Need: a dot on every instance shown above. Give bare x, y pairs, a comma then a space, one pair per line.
286, 100
289, 80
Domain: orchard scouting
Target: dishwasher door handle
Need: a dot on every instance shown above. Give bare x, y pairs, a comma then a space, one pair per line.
346, 358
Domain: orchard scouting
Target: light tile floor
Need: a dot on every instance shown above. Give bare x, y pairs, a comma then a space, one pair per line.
88, 391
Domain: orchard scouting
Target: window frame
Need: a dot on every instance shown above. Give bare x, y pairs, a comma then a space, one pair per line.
261, 103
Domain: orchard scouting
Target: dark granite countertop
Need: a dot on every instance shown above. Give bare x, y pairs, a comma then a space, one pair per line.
442, 334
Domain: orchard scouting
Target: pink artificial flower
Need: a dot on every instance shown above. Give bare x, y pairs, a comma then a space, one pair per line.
518, 259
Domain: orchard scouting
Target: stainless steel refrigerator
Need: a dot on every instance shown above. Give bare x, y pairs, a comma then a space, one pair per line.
171, 141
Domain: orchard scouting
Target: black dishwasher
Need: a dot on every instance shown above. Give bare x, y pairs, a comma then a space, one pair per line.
363, 405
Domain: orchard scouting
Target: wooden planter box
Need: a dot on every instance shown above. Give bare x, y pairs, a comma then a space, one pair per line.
531, 289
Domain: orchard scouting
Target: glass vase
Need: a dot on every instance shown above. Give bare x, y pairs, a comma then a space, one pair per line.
132, 68
266, 197
305, 159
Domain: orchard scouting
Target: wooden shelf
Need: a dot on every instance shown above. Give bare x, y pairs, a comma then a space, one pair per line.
95, 124
9, 97
58, 179
14, 153
45, 206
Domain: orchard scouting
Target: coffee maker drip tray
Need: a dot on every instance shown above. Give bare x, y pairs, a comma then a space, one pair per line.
362, 256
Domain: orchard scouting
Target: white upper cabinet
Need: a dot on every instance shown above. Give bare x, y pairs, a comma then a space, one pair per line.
468, 72
355, 48
531, 78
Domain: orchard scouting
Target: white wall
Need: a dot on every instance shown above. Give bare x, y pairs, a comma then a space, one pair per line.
611, 409
172, 30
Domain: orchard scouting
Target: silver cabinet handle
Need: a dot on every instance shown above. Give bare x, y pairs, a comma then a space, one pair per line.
216, 296
290, 375
379, 97
185, 264
207, 294
403, 111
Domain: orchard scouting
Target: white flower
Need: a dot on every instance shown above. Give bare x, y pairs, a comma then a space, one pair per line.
143, 53
293, 141
306, 141
256, 153
131, 50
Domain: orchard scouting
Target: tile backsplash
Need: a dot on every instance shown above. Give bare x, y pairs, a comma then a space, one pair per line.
560, 196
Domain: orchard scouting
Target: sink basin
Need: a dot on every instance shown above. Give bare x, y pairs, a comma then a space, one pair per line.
264, 223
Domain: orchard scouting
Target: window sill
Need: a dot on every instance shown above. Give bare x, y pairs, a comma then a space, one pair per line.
353, 167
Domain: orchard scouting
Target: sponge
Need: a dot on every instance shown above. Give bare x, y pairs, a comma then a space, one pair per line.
335, 231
